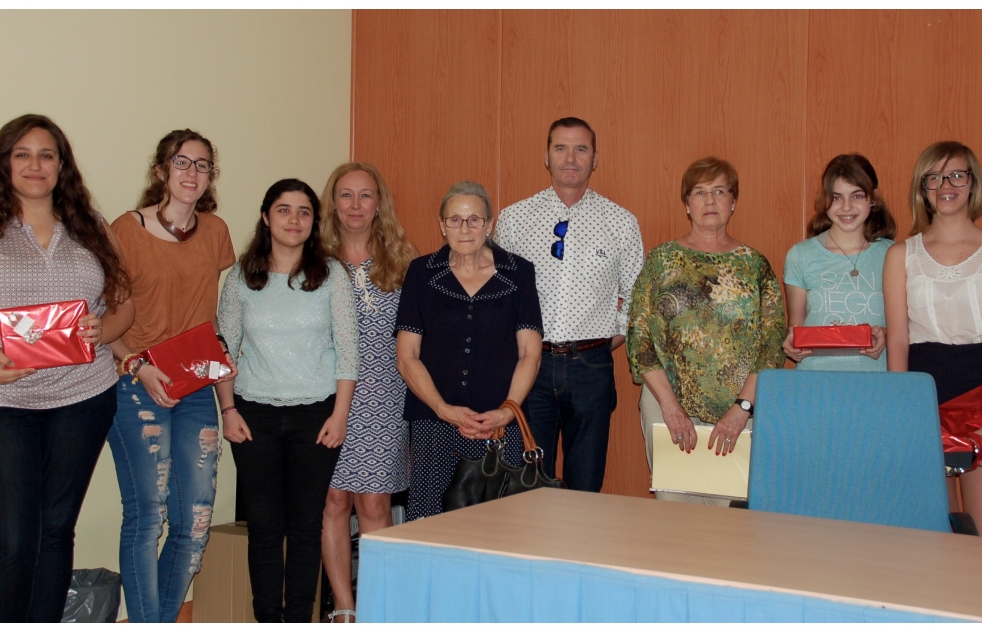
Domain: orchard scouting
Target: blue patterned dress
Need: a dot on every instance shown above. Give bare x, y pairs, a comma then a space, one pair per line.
375, 455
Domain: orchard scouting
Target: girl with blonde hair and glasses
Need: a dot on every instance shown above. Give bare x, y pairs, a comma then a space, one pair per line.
932, 284
362, 231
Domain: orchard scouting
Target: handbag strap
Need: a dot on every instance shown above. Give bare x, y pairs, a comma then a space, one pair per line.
523, 425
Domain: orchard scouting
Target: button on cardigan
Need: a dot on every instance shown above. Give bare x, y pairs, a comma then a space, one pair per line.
469, 343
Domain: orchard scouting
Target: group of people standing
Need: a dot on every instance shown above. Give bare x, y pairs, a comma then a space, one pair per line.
360, 368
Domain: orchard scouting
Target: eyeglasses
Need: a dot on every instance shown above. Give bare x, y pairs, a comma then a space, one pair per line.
456, 221
718, 193
559, 230
184, 163
933, 181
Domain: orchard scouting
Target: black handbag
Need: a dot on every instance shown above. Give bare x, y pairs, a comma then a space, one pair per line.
490, 477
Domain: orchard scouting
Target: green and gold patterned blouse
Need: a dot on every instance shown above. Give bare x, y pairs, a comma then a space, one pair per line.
707, 319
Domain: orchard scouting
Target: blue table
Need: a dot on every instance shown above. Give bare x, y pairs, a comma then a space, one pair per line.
557, 556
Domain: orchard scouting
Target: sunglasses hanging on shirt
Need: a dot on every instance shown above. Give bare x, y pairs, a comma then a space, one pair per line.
560, 231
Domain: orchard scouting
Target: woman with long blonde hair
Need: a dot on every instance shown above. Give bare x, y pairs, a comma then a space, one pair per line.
362, 231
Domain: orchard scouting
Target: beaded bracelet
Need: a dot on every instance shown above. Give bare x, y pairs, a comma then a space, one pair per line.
229, 409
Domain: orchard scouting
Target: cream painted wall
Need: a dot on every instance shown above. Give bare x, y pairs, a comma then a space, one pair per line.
270, 88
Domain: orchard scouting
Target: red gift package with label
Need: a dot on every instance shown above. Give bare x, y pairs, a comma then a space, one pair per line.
833, 339
192, 360
45, 336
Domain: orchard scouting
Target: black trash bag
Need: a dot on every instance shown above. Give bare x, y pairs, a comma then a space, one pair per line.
93, 596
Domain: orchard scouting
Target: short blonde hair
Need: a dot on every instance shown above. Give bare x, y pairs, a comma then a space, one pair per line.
707, 170
944, 150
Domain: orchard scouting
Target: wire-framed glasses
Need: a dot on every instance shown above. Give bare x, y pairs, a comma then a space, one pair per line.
456, 221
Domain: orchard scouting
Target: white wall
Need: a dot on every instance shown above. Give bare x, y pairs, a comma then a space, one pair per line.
271, 89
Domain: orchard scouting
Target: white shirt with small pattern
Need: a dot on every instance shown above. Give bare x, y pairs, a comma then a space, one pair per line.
603, 254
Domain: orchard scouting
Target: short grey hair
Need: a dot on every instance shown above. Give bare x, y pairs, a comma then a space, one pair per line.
467, 187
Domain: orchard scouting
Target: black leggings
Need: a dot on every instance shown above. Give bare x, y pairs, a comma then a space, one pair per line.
284, 477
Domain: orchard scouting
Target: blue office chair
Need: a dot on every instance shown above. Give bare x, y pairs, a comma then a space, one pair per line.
851, 446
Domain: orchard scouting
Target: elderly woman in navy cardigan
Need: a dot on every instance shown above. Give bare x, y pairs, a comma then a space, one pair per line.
469, 337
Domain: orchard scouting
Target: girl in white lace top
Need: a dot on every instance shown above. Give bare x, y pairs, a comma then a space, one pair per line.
932, 284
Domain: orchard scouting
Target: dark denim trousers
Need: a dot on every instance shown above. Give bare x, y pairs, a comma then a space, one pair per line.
575, 394
46, 462
284, 477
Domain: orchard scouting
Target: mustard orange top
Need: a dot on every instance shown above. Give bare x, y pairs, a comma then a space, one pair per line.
175, 283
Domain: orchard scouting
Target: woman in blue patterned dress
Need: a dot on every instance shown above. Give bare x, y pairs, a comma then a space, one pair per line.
362, 231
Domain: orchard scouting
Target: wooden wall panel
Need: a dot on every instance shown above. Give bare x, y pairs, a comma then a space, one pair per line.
443, 95
425, 107
888, 84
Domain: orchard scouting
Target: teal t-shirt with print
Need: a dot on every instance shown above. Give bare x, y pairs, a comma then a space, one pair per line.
835, 295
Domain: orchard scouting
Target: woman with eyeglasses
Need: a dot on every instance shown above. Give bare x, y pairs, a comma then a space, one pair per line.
706, 316
932, 284
166, 450
469, 337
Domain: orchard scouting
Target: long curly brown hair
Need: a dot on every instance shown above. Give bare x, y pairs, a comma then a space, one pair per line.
390, 248
156, 191
71, 201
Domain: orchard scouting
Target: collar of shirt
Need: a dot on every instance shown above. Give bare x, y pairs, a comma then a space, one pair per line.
443, 279
27, 231
567, 212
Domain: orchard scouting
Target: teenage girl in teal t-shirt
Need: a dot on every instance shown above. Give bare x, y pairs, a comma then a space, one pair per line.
836, 275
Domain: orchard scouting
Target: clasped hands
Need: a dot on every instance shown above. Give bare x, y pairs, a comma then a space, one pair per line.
474, 425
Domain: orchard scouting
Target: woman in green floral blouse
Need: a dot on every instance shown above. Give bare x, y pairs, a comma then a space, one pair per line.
706, 316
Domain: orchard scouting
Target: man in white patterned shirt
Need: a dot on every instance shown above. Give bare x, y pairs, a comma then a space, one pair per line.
587, 253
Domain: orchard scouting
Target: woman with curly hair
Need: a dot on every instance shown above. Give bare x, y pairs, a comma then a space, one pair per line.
54, 246
166, 450
362, 231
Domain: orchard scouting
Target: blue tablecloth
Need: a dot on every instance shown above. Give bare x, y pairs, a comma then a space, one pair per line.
405, 582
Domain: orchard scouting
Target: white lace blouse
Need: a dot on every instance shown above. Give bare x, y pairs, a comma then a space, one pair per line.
944, 303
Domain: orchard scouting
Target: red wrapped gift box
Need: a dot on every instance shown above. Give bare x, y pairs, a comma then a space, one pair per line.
834, 339
961, 417
192, 360
45, 336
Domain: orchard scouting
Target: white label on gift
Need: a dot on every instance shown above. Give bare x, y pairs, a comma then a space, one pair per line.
24, 326
214, 370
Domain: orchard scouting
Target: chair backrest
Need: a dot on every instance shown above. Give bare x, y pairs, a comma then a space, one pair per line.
849, 445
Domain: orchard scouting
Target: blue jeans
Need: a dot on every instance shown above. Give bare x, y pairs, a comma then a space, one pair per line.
46, 462
166, 464
575, 394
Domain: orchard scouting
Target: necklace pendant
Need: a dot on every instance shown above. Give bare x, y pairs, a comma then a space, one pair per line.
854, 273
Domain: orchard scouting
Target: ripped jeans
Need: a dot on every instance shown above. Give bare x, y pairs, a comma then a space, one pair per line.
166, 464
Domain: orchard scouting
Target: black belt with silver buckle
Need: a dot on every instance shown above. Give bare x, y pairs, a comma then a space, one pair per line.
572, 346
